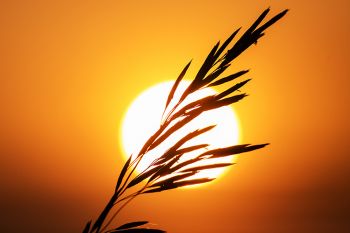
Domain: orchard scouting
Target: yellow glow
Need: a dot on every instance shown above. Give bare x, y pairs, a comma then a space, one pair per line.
144, 115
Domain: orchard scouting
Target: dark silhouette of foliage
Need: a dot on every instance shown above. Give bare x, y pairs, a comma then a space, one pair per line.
167, 172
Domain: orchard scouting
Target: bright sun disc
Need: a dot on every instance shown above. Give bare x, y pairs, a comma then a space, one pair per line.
144, 116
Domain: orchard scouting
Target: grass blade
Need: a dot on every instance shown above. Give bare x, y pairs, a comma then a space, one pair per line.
192, 148
252, 28
251, 36
172, 179
232, 89
193, 105
165, 169
229, 100
207, 65
232, 150
271, 22
226, 43
205, 167
192, 182
170, 154
176, 84
131, 225
192, 135
87, 227
212, 76
138, 230
122, 173
228, 78
186, 163
178, 125
173, 150
143, 176
180, 184
197, 81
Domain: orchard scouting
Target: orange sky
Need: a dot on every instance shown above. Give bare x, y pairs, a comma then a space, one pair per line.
70, 70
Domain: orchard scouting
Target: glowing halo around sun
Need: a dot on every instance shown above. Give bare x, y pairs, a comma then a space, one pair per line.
143, 118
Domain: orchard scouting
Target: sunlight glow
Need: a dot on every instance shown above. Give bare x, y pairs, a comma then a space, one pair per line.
144, 116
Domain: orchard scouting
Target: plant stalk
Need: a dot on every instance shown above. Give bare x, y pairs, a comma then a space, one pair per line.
101, 219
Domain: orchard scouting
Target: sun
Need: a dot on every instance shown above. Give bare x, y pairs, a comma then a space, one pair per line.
143, 118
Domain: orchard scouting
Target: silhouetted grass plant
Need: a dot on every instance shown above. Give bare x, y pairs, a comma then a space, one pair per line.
168, 171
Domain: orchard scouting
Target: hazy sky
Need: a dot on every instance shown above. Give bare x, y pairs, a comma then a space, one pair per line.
69, 71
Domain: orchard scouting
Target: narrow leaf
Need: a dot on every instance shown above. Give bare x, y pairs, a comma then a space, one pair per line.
256, 23
226, 43
193, 105
229, 100
131, 225
223, 102
170, 153
228, 78
232, 89
197, 81
207, 65
173, 179
185, 163
122, 173
205, 167
192, 135
156, 190
165, 169
245, 41
192, 148
180, 184
192, 182
271, 22
221, 152
178, 125
216, 73
144, 176
138, 230
87, 227
176, 84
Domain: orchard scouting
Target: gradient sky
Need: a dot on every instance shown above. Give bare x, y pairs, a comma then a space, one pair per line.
69, 70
